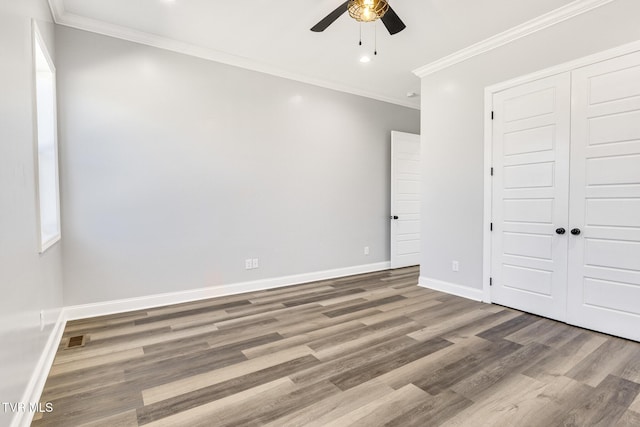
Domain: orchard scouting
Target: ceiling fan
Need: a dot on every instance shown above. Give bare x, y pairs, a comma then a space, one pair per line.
364, 11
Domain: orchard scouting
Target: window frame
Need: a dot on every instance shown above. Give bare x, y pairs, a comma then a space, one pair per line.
45, 242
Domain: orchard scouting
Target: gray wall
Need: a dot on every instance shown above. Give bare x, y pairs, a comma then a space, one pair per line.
29, 282
452, 131
176, 169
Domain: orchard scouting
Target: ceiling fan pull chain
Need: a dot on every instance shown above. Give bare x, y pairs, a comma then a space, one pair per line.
360, 42
375, 38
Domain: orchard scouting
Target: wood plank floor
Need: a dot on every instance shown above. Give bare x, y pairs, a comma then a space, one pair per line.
365, 350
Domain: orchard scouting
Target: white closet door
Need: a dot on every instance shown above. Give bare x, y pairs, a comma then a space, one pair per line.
604, 260
531, 133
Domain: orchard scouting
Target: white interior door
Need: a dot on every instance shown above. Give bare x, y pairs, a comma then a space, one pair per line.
531, 136
604, 259
405, 199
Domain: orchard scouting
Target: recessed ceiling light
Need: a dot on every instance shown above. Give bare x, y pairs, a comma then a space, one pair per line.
364, 59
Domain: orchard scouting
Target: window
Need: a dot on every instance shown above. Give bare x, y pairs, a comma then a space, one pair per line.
47, 156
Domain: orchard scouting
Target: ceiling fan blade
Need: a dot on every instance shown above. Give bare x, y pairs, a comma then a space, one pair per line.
393, 22
330, 18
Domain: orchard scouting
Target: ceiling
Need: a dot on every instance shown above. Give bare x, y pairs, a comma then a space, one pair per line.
274, 36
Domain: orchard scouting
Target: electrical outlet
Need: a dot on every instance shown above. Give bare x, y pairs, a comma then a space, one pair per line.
455, 266
41, 320
248, 264
366, 250
255, 263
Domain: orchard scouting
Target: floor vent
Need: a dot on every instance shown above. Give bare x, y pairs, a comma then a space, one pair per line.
77, 341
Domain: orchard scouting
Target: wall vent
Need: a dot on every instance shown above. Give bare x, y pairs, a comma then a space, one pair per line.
76, 342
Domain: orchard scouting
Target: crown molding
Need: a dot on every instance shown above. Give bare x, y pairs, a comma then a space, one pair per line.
57, 9
62, 17
556, 16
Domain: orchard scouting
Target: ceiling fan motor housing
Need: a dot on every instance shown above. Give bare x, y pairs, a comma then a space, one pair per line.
364, 11
367, 10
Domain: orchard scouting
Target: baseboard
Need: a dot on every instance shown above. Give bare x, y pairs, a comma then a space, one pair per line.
38, 379
130, 304
451, 288
37, 382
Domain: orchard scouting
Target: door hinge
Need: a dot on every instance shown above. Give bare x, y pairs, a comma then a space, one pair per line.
492, 115
491, 227
491, 170
490, 281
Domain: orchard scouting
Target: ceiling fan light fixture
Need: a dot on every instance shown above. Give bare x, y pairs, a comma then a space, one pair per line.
367, 10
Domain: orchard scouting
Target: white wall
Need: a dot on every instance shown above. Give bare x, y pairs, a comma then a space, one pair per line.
29, 282
177, 169
452, 131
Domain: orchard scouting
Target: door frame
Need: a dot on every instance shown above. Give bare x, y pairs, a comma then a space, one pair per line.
489, 92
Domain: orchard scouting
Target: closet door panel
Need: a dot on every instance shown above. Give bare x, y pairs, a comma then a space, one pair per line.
604, 259
530, 196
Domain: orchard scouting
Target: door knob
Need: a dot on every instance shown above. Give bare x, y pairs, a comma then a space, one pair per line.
576, 231
560, 230
393, 217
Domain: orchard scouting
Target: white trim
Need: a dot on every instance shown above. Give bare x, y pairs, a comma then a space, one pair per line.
39, 43
120, 306
38, 379
554, 17
488, 199
65, 18
49, 242
57, 9
488, 134
43, 46
451, 288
